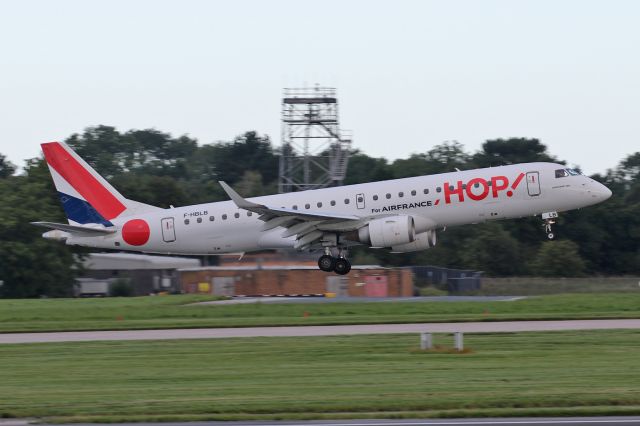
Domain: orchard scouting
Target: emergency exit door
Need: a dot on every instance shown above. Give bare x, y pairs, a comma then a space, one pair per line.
168, 230
533, 183
360, 201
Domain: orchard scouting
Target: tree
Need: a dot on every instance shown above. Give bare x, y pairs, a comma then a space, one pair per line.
6, 168
363, 168
105, 149
31, 266
443, 158
228, 161
251, 184
499, 152
159, 191
558, 259
492, 250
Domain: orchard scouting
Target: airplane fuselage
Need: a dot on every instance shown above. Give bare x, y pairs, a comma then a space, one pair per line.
435, 201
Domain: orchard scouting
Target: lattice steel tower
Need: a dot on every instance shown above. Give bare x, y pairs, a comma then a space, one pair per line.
315, 152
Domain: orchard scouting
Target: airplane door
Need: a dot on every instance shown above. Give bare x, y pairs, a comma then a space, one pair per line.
533, 183
168, 230
360, 201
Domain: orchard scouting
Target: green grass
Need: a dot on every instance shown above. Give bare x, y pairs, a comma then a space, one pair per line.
171, 312
570, 373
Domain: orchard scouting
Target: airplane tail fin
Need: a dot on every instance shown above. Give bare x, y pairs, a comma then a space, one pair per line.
85, 195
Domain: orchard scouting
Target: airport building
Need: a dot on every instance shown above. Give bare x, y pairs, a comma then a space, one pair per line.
259, 274
145, 274
297, 280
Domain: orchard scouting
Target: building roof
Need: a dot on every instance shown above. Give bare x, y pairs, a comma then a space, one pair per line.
130, 261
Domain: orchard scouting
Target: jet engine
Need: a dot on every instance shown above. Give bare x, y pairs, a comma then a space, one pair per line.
388, 231
423, 241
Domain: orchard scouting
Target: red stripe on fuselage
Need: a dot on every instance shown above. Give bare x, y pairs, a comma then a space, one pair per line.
517, 181
82, 180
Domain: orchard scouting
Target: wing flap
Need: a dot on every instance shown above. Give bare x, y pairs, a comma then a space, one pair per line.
307, 226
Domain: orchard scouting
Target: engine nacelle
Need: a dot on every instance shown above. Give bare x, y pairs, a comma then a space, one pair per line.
423, 241
388, 231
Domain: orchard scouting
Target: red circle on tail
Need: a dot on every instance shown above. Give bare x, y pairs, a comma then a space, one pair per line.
136, 232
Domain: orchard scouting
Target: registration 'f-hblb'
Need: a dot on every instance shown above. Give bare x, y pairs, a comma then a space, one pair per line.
401, 215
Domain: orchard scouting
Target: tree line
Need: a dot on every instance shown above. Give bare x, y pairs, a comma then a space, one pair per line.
156, 168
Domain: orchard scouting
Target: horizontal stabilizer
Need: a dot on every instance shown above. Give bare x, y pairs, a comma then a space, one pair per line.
86, 231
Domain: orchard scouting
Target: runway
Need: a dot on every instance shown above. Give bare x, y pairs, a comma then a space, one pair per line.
351, 299
560, 421
330, 330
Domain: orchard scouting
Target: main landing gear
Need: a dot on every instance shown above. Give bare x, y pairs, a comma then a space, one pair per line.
548, 221
340, 265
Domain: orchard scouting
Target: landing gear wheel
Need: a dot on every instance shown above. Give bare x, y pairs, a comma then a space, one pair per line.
547, 227
326, 263
342, 266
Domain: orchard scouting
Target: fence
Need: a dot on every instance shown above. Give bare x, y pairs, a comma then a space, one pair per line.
524, 286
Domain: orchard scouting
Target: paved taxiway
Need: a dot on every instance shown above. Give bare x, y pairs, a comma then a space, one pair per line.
559, 421
329, 330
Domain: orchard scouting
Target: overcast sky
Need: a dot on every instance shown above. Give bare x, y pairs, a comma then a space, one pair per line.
409, 74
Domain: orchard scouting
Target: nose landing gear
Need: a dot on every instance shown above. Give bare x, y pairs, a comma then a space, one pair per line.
548, 221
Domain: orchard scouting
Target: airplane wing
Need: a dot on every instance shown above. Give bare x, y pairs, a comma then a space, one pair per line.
85, 231
307, 227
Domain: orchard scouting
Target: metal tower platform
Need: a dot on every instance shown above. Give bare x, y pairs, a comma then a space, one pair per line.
314, 152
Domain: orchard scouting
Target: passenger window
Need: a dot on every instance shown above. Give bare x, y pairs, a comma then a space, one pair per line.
307, 206
249, 214
413, 192
388, 196
476, 185
199, 220
425, 191
451, 188
333, 203
375, 198
346, 201
319, 204
400, 194
438, 189
237, 215
211, 218
224, 217
186, 221
295, 207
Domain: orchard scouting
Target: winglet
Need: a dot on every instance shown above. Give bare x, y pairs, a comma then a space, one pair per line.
237, 199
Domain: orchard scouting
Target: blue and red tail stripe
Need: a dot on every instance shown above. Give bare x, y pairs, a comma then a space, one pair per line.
95, 195
80, 211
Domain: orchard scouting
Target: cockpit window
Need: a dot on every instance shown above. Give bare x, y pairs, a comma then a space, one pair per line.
567, 172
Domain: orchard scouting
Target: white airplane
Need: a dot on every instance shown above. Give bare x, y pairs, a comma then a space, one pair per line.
401, 214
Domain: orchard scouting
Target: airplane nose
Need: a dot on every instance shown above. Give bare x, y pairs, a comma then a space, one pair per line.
601, 192
606, 192
596, 191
